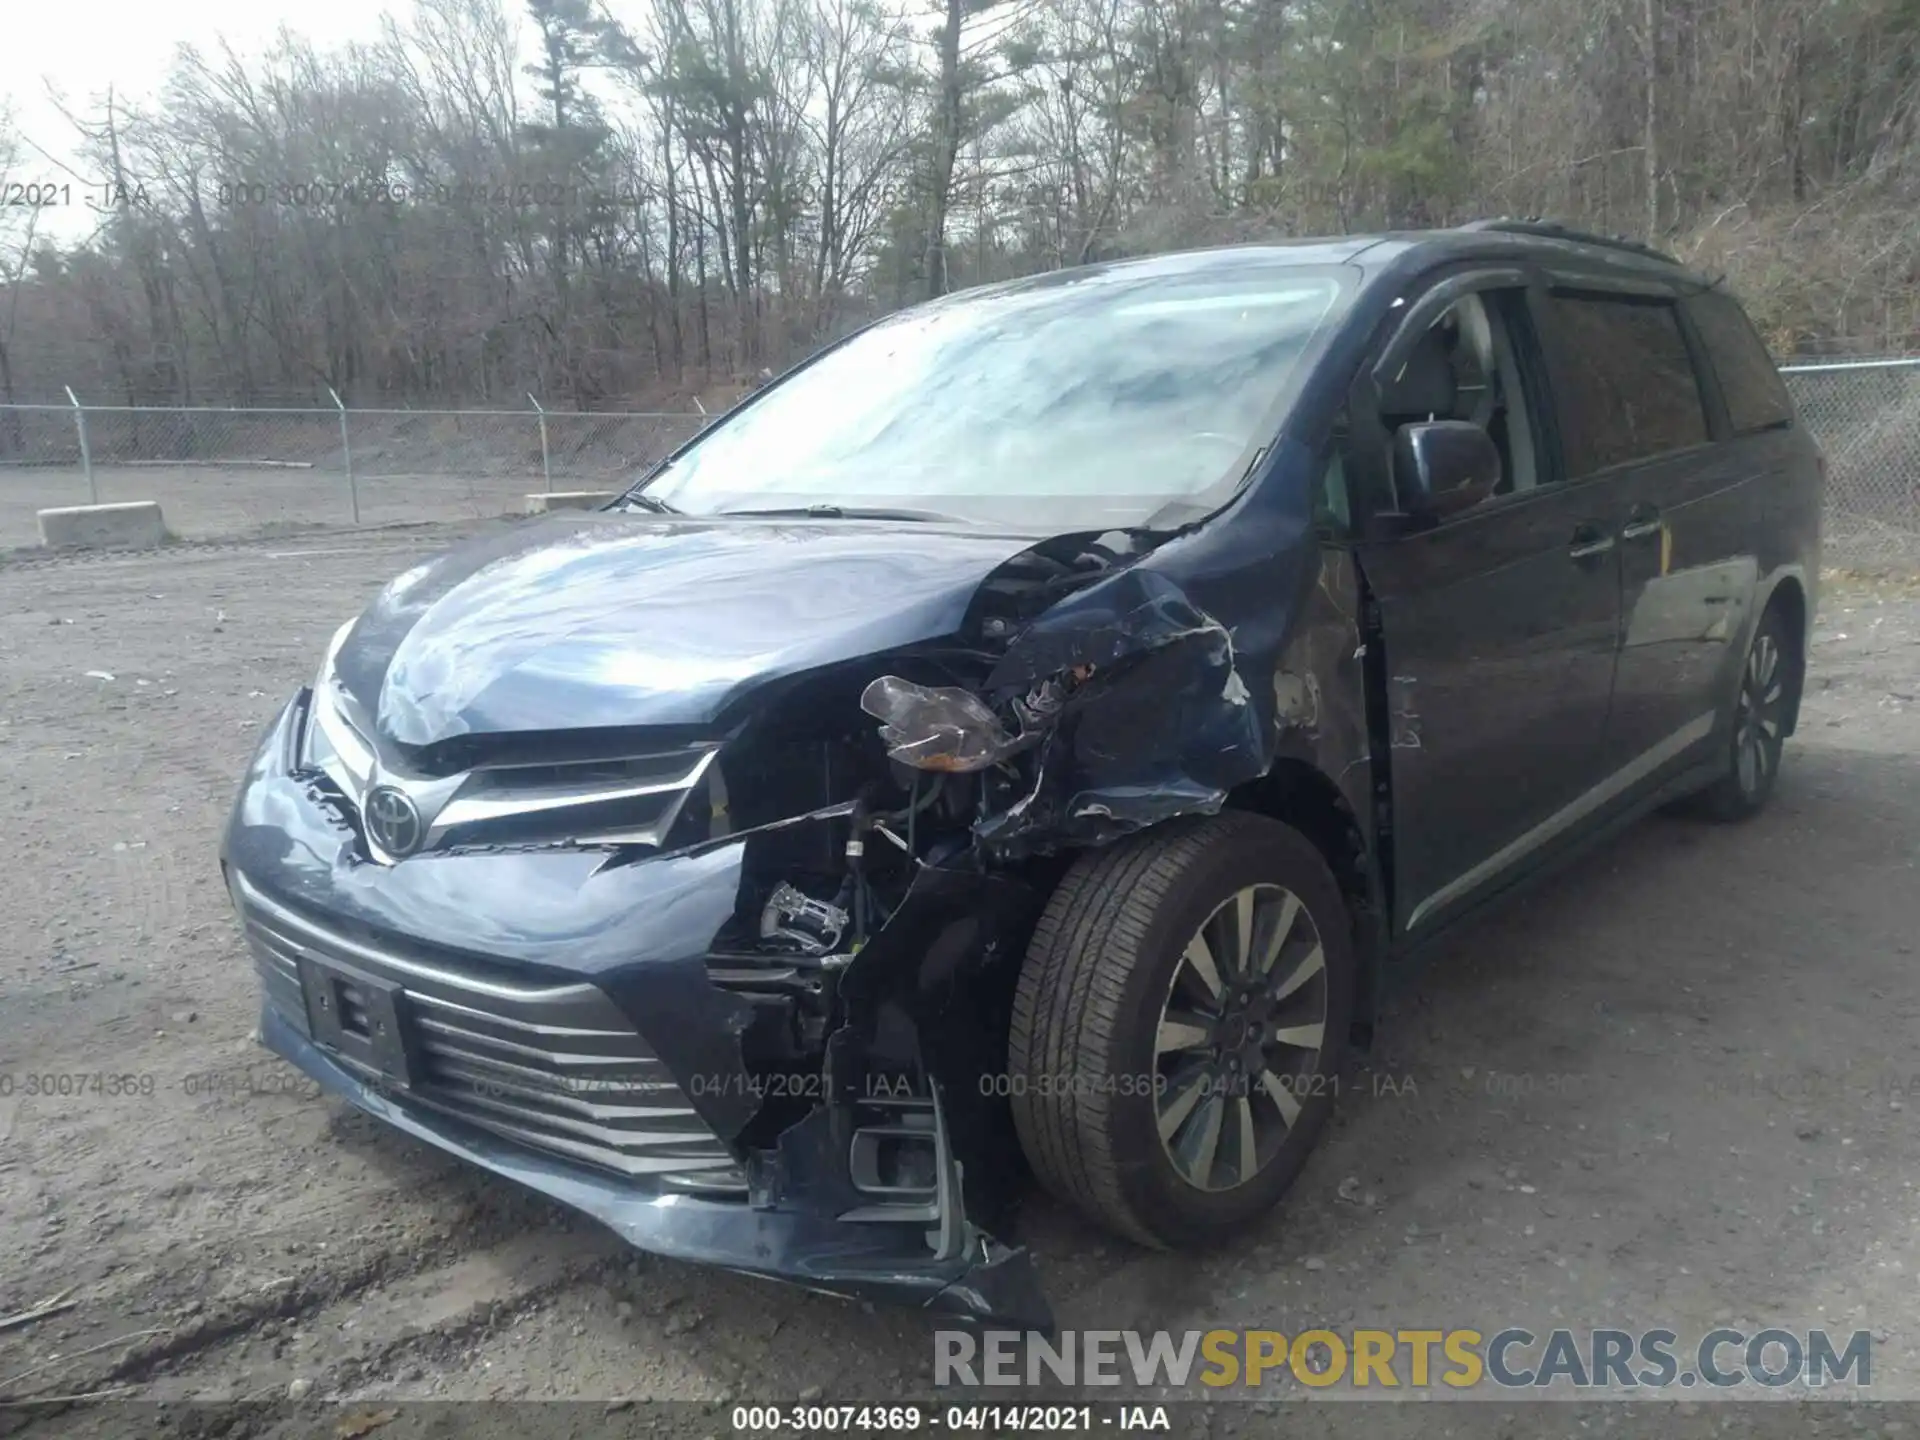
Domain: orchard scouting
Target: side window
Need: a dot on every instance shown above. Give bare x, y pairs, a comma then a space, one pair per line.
1468, 367
1626, 390
1756, 396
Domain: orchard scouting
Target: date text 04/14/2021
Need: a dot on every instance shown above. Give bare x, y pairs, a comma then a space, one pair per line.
966, 1419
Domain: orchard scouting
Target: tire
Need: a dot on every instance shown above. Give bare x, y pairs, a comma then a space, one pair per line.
1769, 683
1110, 977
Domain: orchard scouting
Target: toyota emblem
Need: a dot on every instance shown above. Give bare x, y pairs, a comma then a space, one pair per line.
393, 821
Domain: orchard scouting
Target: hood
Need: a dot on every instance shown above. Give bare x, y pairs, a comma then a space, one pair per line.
609, 619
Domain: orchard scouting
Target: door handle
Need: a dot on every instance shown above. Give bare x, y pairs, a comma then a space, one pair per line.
1644, 521
1589, 541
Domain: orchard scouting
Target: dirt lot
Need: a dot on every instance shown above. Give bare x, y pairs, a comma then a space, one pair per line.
1676, 1087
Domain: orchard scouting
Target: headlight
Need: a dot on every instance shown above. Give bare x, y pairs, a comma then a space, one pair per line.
315, 749
945, 729
326, 660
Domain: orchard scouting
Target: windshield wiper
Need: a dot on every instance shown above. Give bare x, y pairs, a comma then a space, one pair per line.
646, 502
851, 512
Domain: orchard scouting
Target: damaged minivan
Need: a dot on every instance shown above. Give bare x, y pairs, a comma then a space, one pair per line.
1023, 741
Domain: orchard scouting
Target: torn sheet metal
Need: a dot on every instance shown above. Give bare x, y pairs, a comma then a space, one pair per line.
925, 997
1211, 657
1165, 726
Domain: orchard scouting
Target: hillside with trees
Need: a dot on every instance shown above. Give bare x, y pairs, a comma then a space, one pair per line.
610, 208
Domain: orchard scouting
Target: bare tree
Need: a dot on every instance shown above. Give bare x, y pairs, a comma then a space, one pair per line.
503, 195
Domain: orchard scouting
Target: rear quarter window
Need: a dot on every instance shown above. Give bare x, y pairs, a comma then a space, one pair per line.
1755, 394
1625, 383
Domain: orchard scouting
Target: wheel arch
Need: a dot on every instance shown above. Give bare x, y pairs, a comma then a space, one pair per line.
1300, 795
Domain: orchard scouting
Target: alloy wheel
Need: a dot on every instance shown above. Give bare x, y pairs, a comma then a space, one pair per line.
1758, 725
1240, 1037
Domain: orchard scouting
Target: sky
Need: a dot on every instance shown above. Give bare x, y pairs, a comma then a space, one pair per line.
83, 46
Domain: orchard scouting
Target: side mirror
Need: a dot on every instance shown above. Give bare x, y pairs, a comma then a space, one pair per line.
1442, 467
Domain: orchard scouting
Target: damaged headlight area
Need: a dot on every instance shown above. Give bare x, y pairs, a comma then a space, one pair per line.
944, 728
951, 730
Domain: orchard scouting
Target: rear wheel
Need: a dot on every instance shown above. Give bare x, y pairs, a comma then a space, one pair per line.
1179, 1027
1768, 682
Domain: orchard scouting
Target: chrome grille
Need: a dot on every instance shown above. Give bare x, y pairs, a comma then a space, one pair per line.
555, 1067
615, 800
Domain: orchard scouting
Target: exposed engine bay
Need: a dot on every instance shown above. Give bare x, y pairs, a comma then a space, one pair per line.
845, 793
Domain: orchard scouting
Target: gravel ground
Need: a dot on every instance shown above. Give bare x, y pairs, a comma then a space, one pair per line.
1676, 1087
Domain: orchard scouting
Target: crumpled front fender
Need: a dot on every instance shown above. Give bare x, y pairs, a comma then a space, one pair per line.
1191, 654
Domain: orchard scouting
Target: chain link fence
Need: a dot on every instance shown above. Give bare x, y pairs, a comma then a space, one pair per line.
1866, 416
232, 473
228, 473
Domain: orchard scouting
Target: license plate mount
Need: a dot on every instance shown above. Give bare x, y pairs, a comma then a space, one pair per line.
358, 1016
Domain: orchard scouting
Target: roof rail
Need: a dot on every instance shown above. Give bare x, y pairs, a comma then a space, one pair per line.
1554, 230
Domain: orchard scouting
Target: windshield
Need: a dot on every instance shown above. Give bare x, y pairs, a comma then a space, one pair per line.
1098, 401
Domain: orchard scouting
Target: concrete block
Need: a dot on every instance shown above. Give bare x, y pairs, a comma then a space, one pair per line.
568, 500
133, 526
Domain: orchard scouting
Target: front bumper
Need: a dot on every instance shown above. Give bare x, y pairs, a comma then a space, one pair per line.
667, 1170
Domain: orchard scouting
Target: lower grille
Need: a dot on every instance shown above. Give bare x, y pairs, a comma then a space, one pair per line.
554, 1067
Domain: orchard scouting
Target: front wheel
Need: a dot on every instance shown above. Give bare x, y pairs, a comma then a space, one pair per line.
1179, 1027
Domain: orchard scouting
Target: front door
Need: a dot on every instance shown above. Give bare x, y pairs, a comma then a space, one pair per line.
1500, 626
